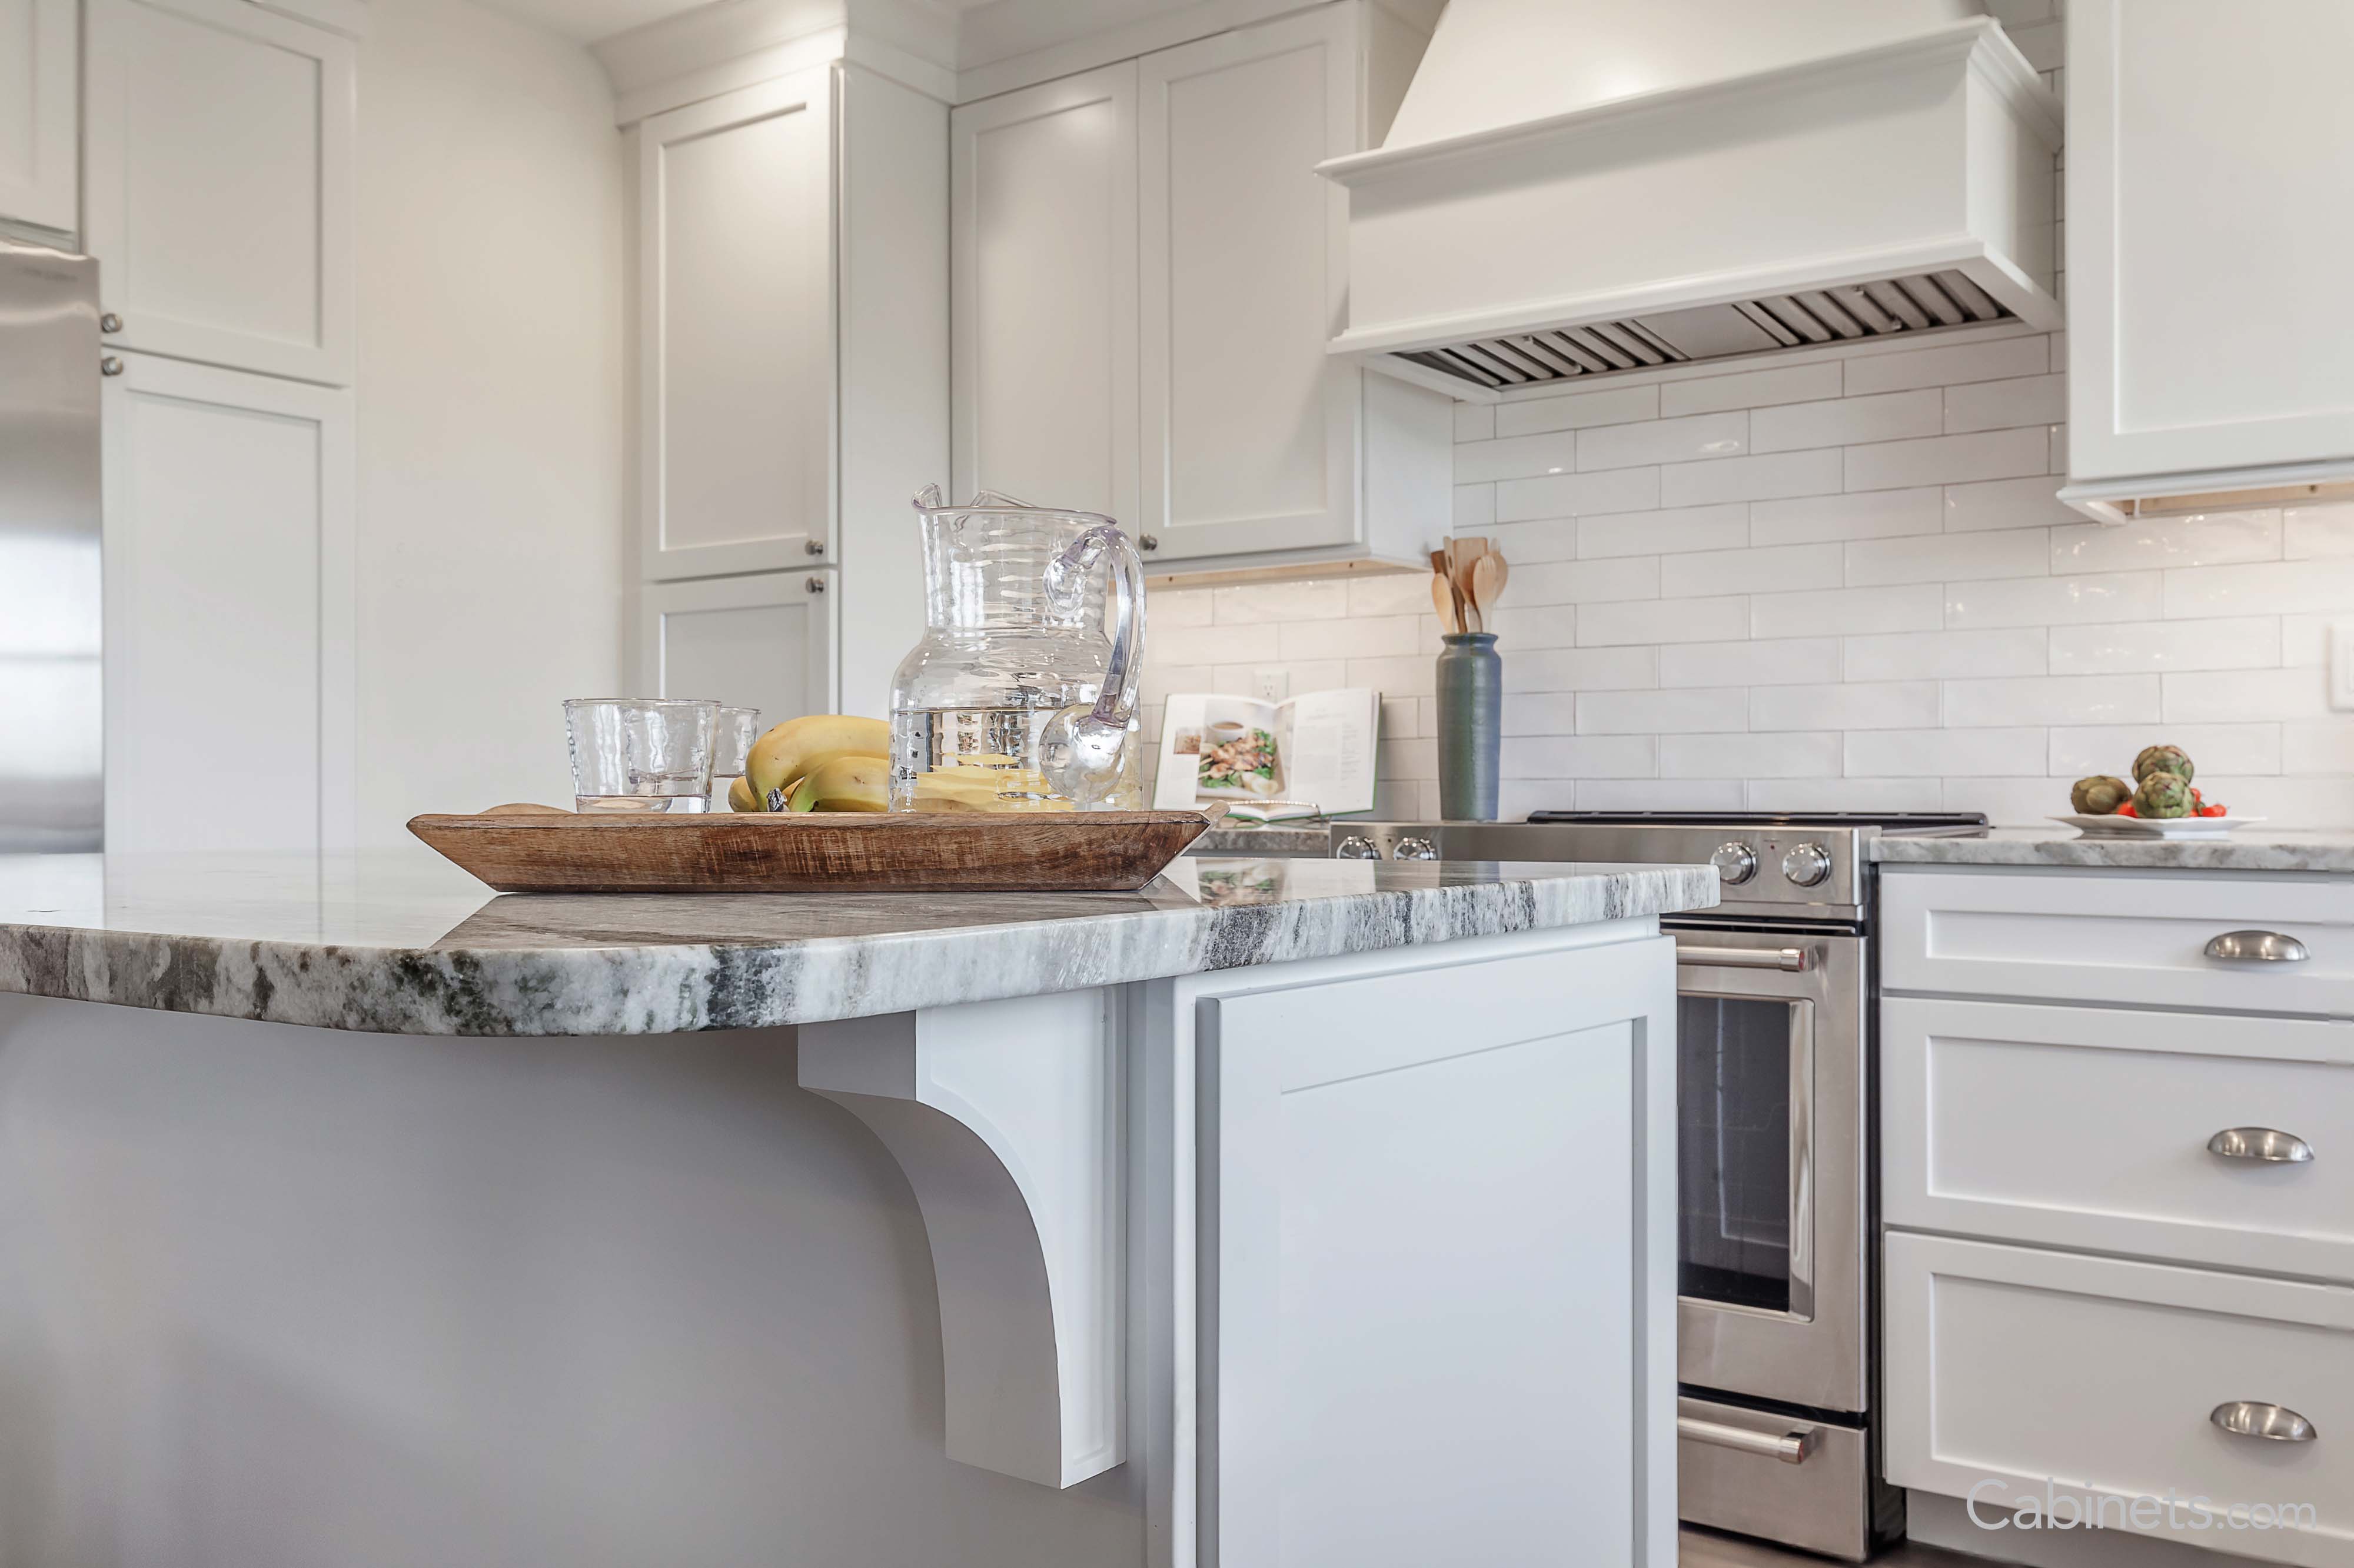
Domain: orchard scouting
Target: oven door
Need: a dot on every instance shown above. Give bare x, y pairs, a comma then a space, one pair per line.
1770, 1166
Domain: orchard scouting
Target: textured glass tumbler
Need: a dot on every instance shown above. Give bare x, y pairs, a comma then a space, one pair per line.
731, 748
651, 755
1470, 723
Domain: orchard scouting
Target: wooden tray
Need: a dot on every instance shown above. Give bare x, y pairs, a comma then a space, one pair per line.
815, 851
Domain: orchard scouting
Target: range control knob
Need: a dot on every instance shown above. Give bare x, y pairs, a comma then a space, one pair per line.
1808, 865
1414, 849
1356, 847
1735, 863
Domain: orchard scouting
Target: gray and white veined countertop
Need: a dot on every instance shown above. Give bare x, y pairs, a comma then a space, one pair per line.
400, 941
2248, 848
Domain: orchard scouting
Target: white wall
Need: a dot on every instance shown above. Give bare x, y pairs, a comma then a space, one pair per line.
1833, 585
490, 411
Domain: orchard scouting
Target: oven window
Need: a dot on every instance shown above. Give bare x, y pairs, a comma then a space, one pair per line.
1732, 1100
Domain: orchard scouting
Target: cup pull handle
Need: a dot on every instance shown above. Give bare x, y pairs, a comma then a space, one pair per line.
2251, 1418
2263, 1143
1790, 1447
2257, 948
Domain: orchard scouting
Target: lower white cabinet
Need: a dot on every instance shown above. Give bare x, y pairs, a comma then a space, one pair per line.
230, 650
2015, 1373
765, 641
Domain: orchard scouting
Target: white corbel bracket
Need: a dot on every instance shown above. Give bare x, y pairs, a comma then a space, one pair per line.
1006, 1116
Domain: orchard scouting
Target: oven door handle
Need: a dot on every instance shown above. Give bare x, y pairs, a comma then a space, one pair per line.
1790, 1447
1790, 960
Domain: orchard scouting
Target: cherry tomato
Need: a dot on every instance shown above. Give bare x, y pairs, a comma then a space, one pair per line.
2127, 810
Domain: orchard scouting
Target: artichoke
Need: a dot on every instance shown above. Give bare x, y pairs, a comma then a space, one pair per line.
2163, 795
2100, 795
2163, 760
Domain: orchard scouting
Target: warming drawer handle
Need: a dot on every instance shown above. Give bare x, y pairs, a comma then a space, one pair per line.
2265, 1143
1790, 1447
2251, 1418
2257, 948
1791, 960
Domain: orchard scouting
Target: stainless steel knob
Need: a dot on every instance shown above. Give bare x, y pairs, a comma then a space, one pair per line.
110, 364
1414, 849
1808, 865
814, 583
1147, 542
2257, 948
2251, 1418
814, 547
110, 322
1735, 863
2267, 1144
1356, 847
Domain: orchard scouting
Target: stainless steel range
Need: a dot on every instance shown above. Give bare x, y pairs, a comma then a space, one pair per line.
1776, 1345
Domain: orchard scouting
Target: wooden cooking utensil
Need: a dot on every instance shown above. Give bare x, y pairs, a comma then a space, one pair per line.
1442, 598
1488, 575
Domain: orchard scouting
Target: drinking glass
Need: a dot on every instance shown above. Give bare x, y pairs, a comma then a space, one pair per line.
738, 728
640, 754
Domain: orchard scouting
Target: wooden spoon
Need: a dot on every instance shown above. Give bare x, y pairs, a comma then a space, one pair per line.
1488, 575
1442, 598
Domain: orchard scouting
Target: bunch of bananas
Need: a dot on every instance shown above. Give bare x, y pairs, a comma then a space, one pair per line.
819, 762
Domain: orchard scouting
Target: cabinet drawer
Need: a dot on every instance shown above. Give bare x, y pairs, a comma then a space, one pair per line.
2010, 1370
2140, 940
2089, 1128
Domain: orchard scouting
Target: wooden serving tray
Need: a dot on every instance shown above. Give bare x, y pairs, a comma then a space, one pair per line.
815, 851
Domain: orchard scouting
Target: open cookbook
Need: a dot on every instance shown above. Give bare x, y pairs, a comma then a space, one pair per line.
1270, 762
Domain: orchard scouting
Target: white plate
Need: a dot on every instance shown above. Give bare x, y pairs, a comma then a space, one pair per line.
2115, 827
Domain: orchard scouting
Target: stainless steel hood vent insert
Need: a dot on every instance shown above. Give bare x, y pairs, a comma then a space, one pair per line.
1916, 303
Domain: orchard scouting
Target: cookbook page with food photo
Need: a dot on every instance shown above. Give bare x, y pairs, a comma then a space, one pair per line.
1270, 762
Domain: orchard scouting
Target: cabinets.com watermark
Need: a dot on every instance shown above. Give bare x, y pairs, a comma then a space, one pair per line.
1993, 1506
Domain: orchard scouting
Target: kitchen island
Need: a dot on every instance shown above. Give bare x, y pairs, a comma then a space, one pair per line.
1313, 1212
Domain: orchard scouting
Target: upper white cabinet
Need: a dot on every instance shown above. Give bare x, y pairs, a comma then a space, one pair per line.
1044, 193
219, 147
736, 330
36, 112
2208, 151
1148, 270
762, 642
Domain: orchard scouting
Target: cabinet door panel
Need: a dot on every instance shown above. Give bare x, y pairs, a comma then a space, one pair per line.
228, 655
763, 642
36, 112
1043, 257
1249, 426
220, 182
736, 330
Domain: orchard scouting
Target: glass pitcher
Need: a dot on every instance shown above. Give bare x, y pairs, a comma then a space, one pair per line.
1017, 699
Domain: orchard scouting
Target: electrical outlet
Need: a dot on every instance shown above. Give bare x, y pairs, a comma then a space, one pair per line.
2341, 665
1270, 685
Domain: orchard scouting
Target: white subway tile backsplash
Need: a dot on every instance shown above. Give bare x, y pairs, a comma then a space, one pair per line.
1663, 620
1866, 515
1316, 598
1751, 389
1693, 709
1944, 753
1948, 459
1534, 625
2009, 802
1884, 416
1535, 713
1786, 754
1788, 662
1651, 795
1215, 644
1516, 457
2310, 531
1545, 539
2052, 699
1943, 655
1475, 507
1582, 582
1389, 593
2222, 696
2056, 601
1579, 757
2264, 589
1401, 675
2079, 752
1944, 558
1993, 361
1395, 760
1775, 569
2201, 539
1678, 529
1843, 794
2304, 639
2318, 746
1749, 477
1689, 439
1358, 637
1581, 670
1305, 676
2001, 404
2029, 502
2234, 642
1577, 410
1185, 606
2305, 801
1578, 494
1851, 705
1830, 612
1475, 421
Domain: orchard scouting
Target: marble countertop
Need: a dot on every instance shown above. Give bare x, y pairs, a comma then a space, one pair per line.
401, 941
1275, 839
2250, 849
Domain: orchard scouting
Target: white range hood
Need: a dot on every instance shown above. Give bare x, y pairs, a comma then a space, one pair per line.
1578, 188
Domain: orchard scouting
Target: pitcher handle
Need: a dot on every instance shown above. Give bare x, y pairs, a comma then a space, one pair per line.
1084, 762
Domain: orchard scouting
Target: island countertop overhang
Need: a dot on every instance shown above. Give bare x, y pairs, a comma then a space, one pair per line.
399, 943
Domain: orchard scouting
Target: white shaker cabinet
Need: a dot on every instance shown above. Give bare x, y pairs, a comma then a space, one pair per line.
762, 642
736, 330
38, 141
2210, 150
229, 610
219, 139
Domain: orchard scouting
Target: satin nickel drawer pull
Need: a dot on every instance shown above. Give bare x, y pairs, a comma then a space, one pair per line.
2257, 948
2274, 1422
1790, 1447
2268, 1144
1792, 961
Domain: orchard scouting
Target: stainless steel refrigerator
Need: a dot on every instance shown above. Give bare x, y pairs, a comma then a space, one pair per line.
52, 707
